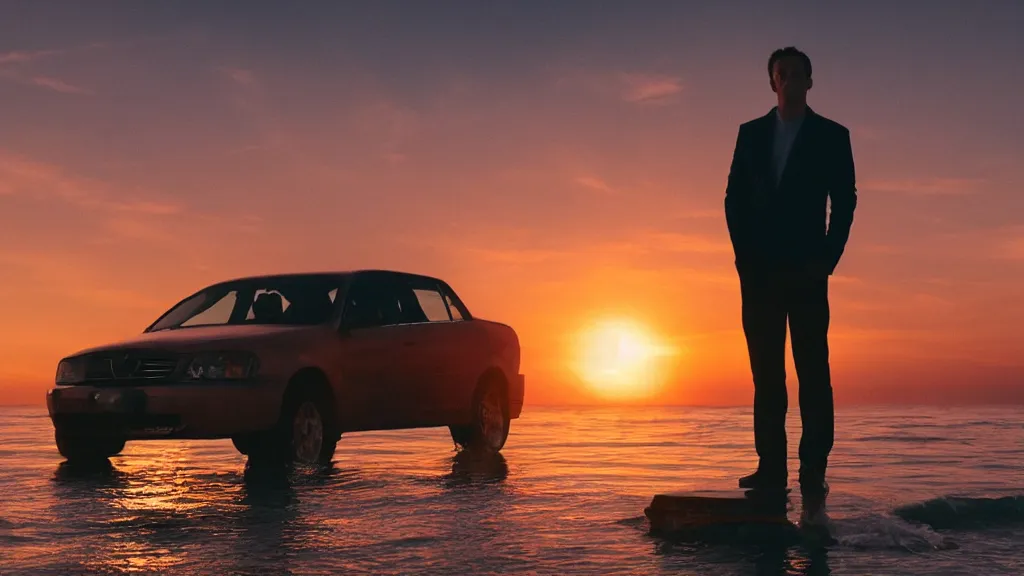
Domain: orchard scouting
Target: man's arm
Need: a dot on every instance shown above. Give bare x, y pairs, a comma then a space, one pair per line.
843, 194
737, 197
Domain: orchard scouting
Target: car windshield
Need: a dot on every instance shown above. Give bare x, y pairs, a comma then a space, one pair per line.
287, 300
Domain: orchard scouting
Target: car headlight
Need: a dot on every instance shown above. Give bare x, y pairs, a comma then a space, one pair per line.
71, 371
222, 366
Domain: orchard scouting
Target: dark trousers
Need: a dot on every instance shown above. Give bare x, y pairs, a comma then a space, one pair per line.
770, 298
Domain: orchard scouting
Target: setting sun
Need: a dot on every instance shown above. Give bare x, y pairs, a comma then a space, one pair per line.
621, 359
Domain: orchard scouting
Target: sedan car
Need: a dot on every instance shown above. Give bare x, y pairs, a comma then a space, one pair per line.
284, 364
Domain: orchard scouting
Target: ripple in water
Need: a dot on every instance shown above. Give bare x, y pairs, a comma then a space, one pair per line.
913, 492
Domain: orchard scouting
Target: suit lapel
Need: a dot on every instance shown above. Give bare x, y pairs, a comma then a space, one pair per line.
765, 145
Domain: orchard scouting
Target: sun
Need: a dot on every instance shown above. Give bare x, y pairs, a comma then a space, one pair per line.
621, 359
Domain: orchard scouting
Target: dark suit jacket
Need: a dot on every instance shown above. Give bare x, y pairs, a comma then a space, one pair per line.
784, 225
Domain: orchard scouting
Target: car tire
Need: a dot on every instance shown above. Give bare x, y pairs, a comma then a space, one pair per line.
85, 447
490, 427
306, 434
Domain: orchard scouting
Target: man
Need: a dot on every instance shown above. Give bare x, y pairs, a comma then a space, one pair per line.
786, 166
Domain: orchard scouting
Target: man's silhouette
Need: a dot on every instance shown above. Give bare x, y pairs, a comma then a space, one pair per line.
786, 166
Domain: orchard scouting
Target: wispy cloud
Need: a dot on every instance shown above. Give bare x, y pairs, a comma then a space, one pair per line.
24, 56
593, 183
926, 186
240, 76
650, 87
19, 66
23, 175
58, 85
630, 87
50, 270
1009, 244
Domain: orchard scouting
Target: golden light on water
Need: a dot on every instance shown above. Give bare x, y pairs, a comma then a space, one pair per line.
622, 359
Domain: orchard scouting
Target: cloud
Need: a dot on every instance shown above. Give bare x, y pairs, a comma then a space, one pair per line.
147, 207
528, 247
240, 76
1008, 243
24, 56
58, 85
15, 66
594, 184
649, 87
1005, 243
22, 175
630, 87
50, 272
926, 186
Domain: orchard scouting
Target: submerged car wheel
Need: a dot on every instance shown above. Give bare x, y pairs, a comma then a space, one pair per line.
86, 447
490, 426
305, 435
307, 441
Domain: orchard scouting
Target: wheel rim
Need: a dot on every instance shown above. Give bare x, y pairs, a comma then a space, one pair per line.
492, 419
307, 433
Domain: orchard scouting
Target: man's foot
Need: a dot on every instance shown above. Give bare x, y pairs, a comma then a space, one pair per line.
813, 484
763, 482
814, 494
814, 514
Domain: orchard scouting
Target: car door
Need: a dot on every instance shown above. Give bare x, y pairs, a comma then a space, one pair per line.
428, 370
377, 348
465, 356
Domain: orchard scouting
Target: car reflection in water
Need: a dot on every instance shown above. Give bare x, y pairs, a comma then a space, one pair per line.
476, 467
195, 508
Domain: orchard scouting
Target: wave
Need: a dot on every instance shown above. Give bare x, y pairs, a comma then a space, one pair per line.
961, 513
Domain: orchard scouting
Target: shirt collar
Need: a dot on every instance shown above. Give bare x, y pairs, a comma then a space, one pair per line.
795, 123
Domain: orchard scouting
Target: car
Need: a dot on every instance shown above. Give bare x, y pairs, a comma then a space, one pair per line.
284, 364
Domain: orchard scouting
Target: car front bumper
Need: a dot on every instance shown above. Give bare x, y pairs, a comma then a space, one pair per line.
207, 410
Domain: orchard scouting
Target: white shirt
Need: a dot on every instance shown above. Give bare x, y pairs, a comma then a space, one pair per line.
785, 134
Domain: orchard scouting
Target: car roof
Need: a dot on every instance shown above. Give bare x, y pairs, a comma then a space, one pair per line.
328, 274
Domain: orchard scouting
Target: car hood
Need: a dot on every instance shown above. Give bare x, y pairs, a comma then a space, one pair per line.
203, 338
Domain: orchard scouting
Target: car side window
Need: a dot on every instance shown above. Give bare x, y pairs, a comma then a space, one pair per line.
456, 315
432, 304
455, 305
371, 303
425, 301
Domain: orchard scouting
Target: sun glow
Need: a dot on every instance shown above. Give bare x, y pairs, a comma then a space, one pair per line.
621, 359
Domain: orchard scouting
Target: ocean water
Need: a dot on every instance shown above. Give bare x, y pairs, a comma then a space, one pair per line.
914, 491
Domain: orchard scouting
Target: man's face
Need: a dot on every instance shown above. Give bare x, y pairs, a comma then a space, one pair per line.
789, 78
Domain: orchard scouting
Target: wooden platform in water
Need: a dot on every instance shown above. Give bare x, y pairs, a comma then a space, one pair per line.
716, 508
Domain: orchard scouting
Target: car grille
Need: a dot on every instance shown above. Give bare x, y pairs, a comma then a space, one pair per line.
134, 368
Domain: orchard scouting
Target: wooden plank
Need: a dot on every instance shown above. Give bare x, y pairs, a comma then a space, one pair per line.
704, 508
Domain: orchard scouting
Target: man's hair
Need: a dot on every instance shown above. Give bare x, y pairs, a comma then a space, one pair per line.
785, 52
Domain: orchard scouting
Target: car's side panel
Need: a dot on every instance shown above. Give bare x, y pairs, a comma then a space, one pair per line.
463, 358
378, 363
477, 348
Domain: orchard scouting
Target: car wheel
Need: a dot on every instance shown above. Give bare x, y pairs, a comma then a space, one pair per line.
490, 426
306, 433
85, 447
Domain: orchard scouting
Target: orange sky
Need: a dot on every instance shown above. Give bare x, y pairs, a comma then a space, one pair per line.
555, 168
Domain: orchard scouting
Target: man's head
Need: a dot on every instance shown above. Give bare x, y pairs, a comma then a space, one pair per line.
789, 71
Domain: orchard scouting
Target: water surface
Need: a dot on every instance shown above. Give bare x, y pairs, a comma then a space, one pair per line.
914, 491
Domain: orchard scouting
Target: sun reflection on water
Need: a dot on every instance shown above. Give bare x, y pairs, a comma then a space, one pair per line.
565, 496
